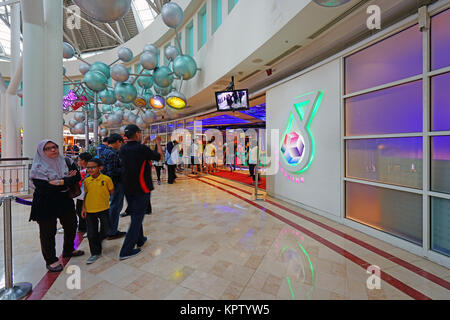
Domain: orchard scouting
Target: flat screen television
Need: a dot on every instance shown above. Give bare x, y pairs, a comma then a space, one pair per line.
232, 100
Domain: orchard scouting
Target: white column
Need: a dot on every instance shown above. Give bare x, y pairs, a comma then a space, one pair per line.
53, 10
11, 134
33, 75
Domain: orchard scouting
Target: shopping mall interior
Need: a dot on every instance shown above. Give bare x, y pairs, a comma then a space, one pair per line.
230, 149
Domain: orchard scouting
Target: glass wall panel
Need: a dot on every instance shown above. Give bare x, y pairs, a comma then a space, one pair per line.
171, 127
154, 129
217, 14
440, 40
201, 27
440, 101
389, 60
440, 225
395, 212
393, 110
162, 128
440, 164
396, 161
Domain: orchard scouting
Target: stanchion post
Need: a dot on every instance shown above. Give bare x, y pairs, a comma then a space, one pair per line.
10, 291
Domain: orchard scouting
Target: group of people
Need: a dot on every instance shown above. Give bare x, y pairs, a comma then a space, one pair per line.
99, 185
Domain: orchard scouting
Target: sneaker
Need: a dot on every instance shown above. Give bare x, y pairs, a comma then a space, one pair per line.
58, 268
92, 259
125, 214
85, 235
119, 234
139, 245
133, 253
159, 182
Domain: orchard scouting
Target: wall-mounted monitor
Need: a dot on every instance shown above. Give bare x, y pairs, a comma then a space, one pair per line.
232, 100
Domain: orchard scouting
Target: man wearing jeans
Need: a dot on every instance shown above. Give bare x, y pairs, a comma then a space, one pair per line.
137, 183
112, 168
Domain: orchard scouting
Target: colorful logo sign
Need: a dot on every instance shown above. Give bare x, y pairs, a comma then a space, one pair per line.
297, 144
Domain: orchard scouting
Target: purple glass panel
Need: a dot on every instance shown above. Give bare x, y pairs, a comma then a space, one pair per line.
440, 164
396, 212
440, 40
393, 110
396, 161
440, 99
389, 60
162, 128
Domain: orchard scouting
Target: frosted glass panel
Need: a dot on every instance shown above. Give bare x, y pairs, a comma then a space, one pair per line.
440, 40
393, 110
389, 60
440, 164
440, 225
440, 100
396, 161
395, 212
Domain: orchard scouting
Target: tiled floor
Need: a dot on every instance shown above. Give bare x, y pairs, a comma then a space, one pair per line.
205, 243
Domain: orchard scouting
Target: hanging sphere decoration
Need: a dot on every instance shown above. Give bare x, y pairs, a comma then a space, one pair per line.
125, 54
107, 97
106, 108
185, 67
79, 116
171, 52
122, 129
68, 51
102, 67
104, 132
120, 73
162, 91
172, 15
132, 118
84, 68
151, 48
145, 82
157, 102
148, 60
149, 116
163, 76
72, 123
104, 10
140, 123
125, 92
126, 115
79, 128
95, 80
140, 102
176, 100
330, 3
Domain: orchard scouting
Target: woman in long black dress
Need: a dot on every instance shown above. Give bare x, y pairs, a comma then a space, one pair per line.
52, 177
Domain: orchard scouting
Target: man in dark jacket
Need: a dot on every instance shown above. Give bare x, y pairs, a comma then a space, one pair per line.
137, 183
111, 168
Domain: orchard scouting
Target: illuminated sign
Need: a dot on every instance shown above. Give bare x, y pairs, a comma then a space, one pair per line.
297, 144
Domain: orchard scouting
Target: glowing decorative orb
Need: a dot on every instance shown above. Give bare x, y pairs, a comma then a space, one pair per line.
171, 52
104, 10
293, 148
120, 73
172, 15
125, 54
185, 67
107, 97
68, 51
163, 76
84, 68
125, 92
145, 82
95, 80
102, 67
140, 102
157, 102
148, 60
330, 3
176, 100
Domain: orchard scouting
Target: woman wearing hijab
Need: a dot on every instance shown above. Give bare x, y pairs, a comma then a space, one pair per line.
52, 178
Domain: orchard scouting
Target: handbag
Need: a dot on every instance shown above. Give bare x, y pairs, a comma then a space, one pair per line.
74, 189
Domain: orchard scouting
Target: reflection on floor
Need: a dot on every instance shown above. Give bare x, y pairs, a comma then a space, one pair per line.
208, 239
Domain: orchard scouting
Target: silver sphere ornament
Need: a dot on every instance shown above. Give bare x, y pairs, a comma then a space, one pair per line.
140, 123
84, 68
148, 60
163, 76
104, 132
106, 109
172, 15
149, 116
125, 54
151, 48
104, 10
120, 73
125, 92
132, 118
72, 123
102, 67
79, 128
185, 67
145, 82
126, 115
79, 116
171, 52
68, 51
122, 129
